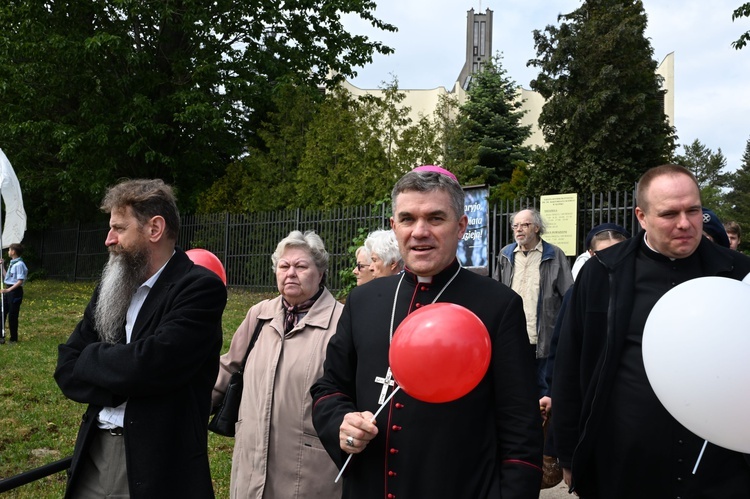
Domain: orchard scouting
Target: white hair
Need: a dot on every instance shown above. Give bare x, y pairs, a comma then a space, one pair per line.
309, 241
384, 244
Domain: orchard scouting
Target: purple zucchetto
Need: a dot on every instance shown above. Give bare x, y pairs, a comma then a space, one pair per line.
435, 169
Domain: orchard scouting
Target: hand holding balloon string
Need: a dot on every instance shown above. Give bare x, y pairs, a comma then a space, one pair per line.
372, 420
439, 353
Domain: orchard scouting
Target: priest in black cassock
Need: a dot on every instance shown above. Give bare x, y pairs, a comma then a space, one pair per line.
614, 438
486, 444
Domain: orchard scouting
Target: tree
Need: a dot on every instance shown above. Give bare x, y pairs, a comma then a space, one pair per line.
707, 167
92, 91
265, 177
488, 141
405, 144
741, 11
738, 198
420, 144
326, 151
357, 147
603, 118
344, 163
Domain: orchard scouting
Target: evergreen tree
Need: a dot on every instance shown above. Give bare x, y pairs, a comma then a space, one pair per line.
603, 118
707, 167
738, 199
487, 143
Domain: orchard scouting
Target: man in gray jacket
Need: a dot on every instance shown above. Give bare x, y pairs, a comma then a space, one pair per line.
540, 273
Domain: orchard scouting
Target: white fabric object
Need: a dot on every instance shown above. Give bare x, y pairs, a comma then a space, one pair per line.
15, 215
578, 264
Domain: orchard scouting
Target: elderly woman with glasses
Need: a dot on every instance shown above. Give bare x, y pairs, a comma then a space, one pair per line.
362, 269
277, 453
384, 252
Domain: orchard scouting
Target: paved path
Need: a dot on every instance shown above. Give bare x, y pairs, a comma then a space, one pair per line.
559, 492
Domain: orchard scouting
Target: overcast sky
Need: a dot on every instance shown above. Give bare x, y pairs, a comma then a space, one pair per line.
712, 79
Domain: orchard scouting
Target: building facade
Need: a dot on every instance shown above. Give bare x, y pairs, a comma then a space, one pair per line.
424, 102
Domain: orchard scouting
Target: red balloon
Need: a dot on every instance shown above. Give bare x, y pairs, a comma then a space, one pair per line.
440, 352
205, 258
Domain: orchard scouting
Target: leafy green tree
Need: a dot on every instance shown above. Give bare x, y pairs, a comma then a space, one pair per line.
489, 137
386, 117
708, 168
741, 11
420, 144
343, 162
516, 187
264, 179
405, 144
445, 121
603, 118
92, 91
324, 151
738, 198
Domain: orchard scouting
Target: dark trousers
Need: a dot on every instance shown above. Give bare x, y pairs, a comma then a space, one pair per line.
12, 307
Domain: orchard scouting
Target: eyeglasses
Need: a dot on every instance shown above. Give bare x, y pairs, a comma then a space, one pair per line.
361, 266
523, 226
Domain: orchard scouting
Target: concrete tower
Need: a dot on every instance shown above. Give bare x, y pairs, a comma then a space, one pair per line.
478, 45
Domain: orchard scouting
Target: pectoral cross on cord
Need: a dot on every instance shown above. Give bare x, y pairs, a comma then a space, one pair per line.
386, 382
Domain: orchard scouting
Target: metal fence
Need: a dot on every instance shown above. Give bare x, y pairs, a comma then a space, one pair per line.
244, 243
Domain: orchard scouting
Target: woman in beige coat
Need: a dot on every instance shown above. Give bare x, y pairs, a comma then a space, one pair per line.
277, 454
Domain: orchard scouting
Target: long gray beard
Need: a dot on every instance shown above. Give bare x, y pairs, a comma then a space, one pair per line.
122, 276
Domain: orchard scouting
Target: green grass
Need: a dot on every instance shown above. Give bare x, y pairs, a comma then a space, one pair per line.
38, 425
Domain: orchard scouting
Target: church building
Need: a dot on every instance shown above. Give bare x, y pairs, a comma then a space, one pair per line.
423, 102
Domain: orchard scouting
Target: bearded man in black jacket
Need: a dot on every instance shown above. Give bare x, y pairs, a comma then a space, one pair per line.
144, 358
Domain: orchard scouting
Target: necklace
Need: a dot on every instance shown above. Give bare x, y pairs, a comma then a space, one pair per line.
388, 379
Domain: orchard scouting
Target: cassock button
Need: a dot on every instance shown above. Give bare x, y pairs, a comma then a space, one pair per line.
418, 305
394, 451
399, 405
391, 496
392, 473
395, 427
423, 288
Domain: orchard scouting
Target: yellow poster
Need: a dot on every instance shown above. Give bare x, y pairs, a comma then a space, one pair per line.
560, 214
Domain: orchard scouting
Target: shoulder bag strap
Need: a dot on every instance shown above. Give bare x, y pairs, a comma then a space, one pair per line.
256, 333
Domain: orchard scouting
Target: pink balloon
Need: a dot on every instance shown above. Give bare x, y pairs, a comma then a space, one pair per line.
205, 258
440, 352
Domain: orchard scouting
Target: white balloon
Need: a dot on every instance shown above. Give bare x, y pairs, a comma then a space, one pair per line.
696, 350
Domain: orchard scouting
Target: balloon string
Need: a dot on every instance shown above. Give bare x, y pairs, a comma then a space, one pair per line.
371, 421
700, 456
